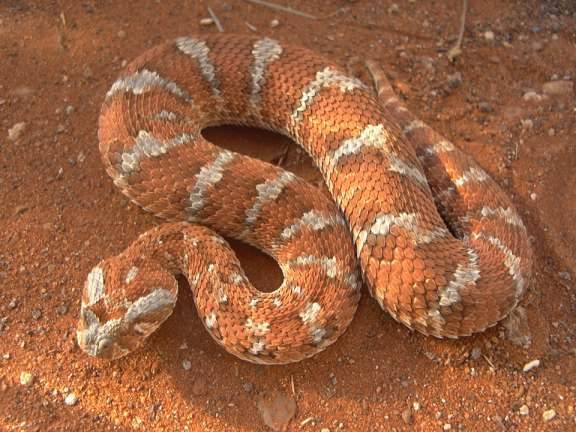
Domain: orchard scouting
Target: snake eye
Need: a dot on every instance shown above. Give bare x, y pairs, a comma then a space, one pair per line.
104, 344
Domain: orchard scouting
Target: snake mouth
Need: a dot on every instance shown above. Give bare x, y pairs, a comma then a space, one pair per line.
97, 339
100, 346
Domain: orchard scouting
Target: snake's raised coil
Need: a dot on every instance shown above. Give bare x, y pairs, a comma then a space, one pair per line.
440, 246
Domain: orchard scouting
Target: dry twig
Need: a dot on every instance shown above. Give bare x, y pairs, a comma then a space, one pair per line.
250, 26
456, 50
216, 20
282, 8
287, 9
281, 158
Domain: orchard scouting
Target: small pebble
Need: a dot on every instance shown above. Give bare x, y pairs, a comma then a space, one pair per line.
489, 35
26, 378
13, 304
454, 80
71, 399
274, 23
187, 365
121, 34
416, 406
407, 416
524, 410
36, 314
532, 96
527, 124
558, 88
206, 21
551, 132
324, 430
393, 9
87, 72
548, 415
533, 196
136, 422
447, 427
15, 131
485, 107
69, 109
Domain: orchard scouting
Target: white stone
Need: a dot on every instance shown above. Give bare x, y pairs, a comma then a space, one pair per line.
548, 415
531, 365
16, 130
26, 378
71, 399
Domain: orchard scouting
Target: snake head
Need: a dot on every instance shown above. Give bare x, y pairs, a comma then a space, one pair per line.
123, 302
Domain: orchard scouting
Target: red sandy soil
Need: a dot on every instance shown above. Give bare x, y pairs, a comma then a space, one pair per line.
60, 214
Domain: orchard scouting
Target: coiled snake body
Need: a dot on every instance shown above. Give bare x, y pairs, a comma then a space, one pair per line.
439, 244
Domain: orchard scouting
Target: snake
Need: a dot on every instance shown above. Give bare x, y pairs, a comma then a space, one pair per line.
438, 244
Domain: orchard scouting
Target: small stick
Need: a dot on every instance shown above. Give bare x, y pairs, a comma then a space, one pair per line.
216, 20
292, 385
282, 8
489, 361
281, 158
250, 26
306, 421
456, 50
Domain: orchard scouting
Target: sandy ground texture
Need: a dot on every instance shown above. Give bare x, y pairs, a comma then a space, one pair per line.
508, 100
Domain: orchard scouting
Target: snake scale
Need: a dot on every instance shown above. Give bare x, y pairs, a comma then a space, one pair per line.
438, 243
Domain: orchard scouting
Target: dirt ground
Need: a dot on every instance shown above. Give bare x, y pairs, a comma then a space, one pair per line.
60, 214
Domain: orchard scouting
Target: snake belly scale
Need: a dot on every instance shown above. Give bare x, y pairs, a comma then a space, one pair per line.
439, 244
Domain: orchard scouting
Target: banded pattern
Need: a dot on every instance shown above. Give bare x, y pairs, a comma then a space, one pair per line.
440, 246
